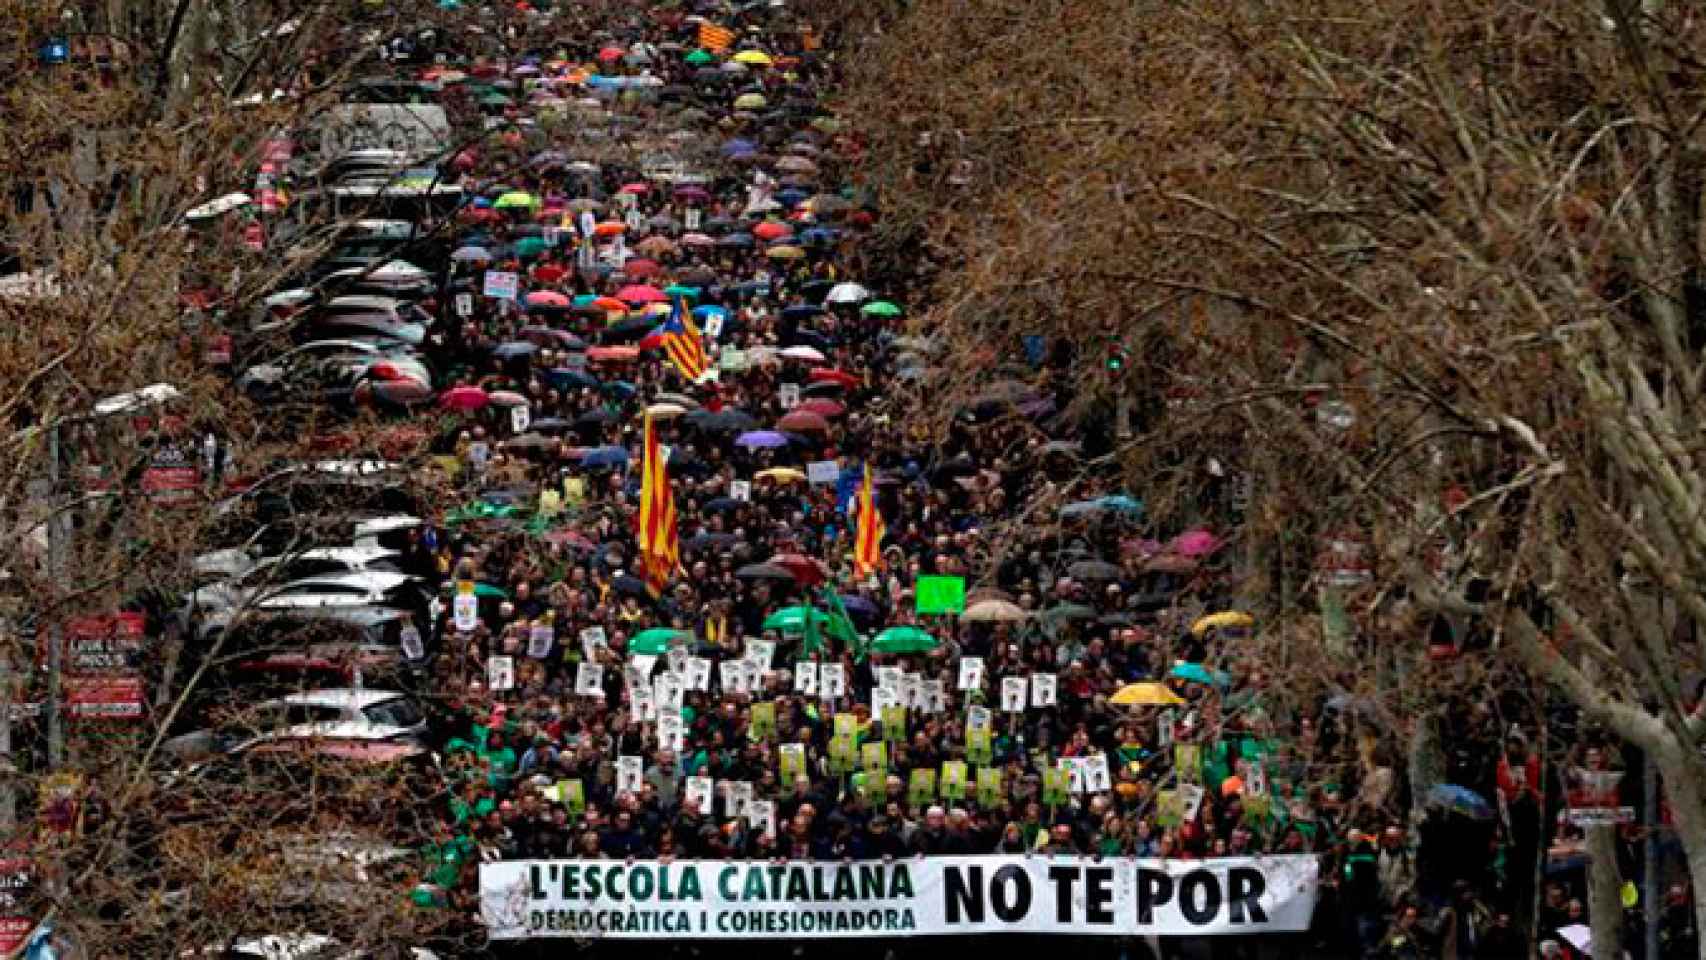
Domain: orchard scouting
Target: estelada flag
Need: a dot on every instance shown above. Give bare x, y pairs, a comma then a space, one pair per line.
660, 548
868, 536
713, 37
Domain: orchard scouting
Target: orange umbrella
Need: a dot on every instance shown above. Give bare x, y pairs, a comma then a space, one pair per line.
610, 303
609, 228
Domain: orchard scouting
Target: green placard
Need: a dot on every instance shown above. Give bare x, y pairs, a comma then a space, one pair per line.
894, 724
954, 780
876, 757
941, 594
846, 725
989, 787
792, 762
921, 789
978, 746
763, 725
1169, 808
875, 787
574, 796
843, 754
1187, 762
1056, 786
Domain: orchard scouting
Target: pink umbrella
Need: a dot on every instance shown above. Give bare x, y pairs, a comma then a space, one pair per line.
463, 398
507, 398
642, 293
697, 240
635, 187
547, 298
1194, 543
640, 267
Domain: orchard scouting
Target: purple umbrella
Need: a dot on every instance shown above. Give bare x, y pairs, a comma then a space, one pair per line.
738, 146
692, 194
761, 440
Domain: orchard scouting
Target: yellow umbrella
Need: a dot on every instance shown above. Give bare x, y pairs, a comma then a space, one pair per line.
1145, 694
754, 58
781, 475
1221, 621
666, 411
786, 252
751, 101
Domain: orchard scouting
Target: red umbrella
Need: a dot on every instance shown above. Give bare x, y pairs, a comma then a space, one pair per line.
823, 407
807, 571
635, 187
611, 54
826, 375
547, 298
642, 293
463, 398
613, 354
772, 230
803, 421
640, 268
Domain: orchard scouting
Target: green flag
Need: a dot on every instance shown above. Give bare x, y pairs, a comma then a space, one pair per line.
810, 641
838, 624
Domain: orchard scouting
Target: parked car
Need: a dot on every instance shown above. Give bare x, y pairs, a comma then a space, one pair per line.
365, 316
332, 371
339, 713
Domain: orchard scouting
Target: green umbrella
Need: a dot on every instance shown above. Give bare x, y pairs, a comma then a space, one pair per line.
793, 620
880, 308
516, 198
1197, 673
699, 57
677, 290
488, 590
496, 99
530, 246
656, 641
905, 640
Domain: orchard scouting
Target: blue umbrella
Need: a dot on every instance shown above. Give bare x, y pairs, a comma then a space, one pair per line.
605, 457
565, 379
761, 440
801, 312
1120, 503
818, 236
859, 606
736, 240
619, 388
515, 348
791, 197
736, 146
1460, 800
1197, 673
709, 311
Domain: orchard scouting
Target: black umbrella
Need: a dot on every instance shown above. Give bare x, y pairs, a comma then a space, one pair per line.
764, 571
595, 417
1094, 570
827, 388
721, 505
628, 330
550, 425
630, 585
724, 421
700, 541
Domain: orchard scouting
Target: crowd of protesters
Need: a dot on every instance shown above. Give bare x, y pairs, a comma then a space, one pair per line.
1219, 759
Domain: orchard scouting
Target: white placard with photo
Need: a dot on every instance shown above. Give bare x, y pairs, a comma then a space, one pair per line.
465, 612
935, 696
669, 691
789, 395
832, 681
1043, 689
672, 732
888, 678
1098, 778
762, 815
823, 472
760, 653
593, 642
1013, 691
500, 673
520, 418
979, 718
701, 793
540, 637
1076, 779
676, 660
736, 676
736, 797
740, 490
698, 674
589, 680
912, 691
971, 673
630, 774
883, 697
805, 678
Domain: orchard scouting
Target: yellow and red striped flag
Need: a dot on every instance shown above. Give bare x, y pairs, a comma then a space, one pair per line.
660, 546
868, 535
713, 37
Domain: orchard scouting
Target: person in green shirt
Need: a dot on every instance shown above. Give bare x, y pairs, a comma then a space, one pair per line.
500, 757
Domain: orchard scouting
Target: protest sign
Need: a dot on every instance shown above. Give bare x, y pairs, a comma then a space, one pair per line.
953, 780
940, 594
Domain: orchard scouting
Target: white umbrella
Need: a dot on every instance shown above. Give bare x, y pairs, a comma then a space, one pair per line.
808, 354
847, 293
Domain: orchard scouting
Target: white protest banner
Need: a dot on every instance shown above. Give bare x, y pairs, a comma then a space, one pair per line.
1013, 690
789, 395
465, 611
1043, 689
823, 471
805, 678
701, 791
831, 681
931, 896
971, 673
589, 680
630, 774
740, 490
540, 636
501, 285
500, 673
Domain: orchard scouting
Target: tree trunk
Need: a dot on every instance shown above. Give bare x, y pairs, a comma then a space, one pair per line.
1605, 905
1688, 807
